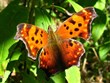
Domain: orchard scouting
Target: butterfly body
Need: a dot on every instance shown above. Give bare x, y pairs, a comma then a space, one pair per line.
59, 50
60, 53
52, 48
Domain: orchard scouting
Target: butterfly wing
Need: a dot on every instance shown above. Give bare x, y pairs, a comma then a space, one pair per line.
33, 37
55, 58
48, 59
72, 51
78, 25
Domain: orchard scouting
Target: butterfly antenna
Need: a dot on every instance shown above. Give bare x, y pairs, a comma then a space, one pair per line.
68, 13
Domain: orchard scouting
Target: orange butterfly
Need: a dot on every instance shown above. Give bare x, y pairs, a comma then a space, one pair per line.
59, 49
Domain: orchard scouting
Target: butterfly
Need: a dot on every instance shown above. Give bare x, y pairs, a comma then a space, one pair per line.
58, 50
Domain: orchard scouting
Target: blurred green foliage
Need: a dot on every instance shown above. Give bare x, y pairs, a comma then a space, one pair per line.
16, 67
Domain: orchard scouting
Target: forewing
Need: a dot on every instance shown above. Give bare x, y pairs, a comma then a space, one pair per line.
33, 37
78, 25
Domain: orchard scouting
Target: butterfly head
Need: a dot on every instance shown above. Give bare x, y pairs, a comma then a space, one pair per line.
22, 30
19, 28
50, 29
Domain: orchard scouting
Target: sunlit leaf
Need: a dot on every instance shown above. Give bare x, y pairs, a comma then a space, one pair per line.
100, 4
7, 73
73, 75
16, 55
76, 6
42, 19
3, 66
1, 70
59, 77
9, 18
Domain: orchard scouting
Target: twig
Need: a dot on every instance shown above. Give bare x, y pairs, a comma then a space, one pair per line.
96, 54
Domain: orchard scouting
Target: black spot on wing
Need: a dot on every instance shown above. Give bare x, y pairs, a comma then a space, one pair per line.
41, 35
72, 21
67, 27
36, 41
32, 38
45, 53
79, 24
36, 31
76, 29
84, 17
71, 32
40, 42
70, 43
64, 25
41, 31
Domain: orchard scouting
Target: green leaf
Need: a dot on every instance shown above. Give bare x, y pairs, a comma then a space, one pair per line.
29, 78
103, 50
87, 3
76, 6
59, 77
16, 55
41, 76
73, 75
12, 15
6, 75
33, 69
3, 66
100, 4
42, 19
1, 70
99, 25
